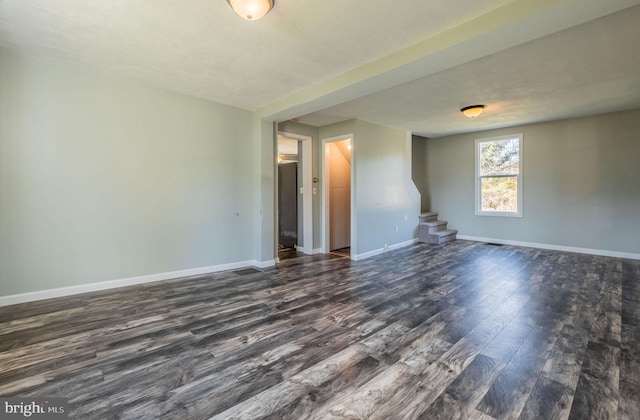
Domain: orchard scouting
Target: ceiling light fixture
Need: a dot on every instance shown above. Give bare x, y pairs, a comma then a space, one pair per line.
472, 111
251, 9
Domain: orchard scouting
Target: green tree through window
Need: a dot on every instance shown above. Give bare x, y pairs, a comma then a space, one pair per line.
498, 187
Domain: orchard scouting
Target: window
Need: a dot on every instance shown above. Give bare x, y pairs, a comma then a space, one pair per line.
499, 176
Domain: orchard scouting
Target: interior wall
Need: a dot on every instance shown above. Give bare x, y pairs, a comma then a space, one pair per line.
419, 170
313, 132
339, 198
288, 204
388, 203
264, 147
581, 180
103, 178
300, 198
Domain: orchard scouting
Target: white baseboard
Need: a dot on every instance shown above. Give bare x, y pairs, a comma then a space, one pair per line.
261, 264
305, 251
131, 281
318, 251
383, 250
589, 251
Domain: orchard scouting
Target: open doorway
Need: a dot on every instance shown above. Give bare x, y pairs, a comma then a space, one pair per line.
288, 208
337, 195
294, 198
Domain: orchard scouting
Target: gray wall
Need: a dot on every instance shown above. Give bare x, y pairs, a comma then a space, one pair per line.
386, 196
336, 130
419, 170
104, 178
309, 131
263, 151
316, 135
581, 183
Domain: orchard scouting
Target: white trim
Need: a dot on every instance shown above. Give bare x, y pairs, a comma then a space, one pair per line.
519, 175
307, 189
383, 250
260, 264
318, 251
589, 251
131, 281
325, 222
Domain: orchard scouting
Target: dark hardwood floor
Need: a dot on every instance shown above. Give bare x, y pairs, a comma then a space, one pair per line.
461, 330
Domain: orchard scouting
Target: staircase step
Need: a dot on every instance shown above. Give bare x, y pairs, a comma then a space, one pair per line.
433, 226
434, 231
446, 239
445, 232
428, 217
438, 237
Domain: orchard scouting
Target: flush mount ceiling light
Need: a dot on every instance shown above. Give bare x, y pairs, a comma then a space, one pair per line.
251, 9
472, 111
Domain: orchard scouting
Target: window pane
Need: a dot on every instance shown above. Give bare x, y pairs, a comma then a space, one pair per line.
500, 194
500, 157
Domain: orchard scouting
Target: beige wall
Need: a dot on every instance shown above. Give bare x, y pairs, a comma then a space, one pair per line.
581, 183
339, 197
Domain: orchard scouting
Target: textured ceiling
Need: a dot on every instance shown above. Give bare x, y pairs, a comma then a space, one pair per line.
588, 69
201, 48
410, 64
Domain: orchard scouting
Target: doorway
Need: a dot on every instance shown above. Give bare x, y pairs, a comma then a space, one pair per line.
287, 199
294, 198
338, 195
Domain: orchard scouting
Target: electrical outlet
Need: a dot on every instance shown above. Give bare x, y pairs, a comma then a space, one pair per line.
386, 247
396, 228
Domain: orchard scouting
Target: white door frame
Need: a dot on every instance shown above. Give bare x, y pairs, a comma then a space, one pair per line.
326, 222
306, 189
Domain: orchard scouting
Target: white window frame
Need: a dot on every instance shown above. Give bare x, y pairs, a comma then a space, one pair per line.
479, 211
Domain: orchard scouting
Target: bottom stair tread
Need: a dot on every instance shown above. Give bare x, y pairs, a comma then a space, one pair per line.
434, 231
445, 232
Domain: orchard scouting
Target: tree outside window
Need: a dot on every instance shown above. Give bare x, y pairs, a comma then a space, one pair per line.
499, 176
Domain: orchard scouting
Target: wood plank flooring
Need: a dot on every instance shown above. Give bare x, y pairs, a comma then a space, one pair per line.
456, 331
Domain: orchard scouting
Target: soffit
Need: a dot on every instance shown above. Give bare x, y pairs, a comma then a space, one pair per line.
202, 48
588, 69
